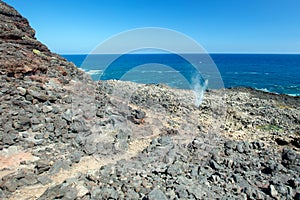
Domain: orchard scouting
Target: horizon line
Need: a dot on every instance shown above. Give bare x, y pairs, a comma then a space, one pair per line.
145, 53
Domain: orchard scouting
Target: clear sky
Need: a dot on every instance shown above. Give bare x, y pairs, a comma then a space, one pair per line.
255, 26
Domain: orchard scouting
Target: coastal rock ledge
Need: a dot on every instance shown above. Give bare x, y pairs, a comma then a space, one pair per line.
64, 136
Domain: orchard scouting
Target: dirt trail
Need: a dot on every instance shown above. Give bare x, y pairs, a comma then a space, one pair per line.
87, 163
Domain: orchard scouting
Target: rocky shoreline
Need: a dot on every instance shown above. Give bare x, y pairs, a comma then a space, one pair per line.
63, 136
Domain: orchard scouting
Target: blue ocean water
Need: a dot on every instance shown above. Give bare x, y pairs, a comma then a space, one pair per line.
277, 73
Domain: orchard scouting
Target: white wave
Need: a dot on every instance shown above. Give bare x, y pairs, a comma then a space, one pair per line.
289, 94
160, 72
265, 90
251, 73
294, 95
94, 71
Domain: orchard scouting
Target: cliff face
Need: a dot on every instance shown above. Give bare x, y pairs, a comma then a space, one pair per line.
22, 55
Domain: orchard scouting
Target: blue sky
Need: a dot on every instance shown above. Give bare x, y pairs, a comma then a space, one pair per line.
255, 26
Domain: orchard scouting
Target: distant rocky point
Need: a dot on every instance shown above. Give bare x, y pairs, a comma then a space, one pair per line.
63, 136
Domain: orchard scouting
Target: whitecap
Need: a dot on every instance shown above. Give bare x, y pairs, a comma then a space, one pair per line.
94, 71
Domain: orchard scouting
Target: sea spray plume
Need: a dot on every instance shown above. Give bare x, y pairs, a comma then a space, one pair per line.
199, 90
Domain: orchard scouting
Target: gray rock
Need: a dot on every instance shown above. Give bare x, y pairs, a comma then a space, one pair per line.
165, 140
121, 146
92, 175
79, 126
29, 97
24, 120
214, 165
67, 115
171, 194
50, 127
123, 134
37, 93
291, 159
105, 148
70, 193
59, 165
96, 193
181, 192
250, 192
10, 185
47, 109
90, 148
196, 191
2, 195
81, 190
60, 123
108, 193
52, 193
131, 194
55, 110
240, 148
39, 136
273, 191
9, 139
228, 152
75, 156
230, 144
37, 128
29, 179
246, 147
35, 120
282, 189
42, 166
44, 180
175, 169
157, 194
21, 90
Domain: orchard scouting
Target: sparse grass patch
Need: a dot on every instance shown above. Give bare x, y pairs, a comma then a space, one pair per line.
281, 106
37, 52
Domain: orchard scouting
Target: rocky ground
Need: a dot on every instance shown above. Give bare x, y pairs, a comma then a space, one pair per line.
63, 136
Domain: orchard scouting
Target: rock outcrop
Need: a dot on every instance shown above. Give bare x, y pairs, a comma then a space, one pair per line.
22, 55
63, 136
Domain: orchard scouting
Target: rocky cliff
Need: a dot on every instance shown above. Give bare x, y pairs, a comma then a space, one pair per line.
22, 55
63, 136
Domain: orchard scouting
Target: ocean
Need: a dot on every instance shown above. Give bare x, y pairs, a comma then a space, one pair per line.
276, 73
